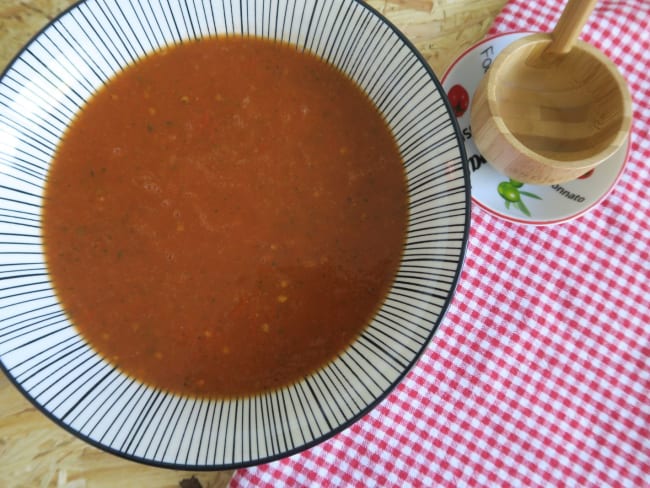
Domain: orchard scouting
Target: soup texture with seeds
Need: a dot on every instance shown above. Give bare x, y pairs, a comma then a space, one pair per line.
225, 216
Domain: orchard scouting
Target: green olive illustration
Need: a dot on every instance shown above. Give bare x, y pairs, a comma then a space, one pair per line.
511, 193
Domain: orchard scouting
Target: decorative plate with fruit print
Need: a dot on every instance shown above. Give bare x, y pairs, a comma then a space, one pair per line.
495, 192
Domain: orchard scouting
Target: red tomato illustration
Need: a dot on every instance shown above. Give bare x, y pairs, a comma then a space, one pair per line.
459, 99
586, 175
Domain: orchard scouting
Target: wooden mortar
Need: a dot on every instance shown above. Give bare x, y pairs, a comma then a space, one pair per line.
544, 117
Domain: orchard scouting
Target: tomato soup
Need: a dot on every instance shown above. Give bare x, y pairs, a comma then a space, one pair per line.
225, 216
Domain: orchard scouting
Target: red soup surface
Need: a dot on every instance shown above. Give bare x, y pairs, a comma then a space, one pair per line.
225, 216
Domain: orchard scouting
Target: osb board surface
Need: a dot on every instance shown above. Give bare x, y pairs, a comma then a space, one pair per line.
34, 452
440, 29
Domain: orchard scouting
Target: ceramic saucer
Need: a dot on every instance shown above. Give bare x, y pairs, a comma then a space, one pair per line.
495, 192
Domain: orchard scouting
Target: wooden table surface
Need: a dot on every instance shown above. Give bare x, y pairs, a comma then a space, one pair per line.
34, 452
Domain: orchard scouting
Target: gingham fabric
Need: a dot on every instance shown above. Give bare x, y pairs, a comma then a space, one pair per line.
539, 374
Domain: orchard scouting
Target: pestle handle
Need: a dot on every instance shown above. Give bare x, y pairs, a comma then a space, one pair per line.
568, 28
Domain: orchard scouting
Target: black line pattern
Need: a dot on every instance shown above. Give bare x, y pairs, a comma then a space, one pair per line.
52, 79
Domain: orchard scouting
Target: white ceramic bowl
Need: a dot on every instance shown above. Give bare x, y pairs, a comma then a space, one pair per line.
40, 349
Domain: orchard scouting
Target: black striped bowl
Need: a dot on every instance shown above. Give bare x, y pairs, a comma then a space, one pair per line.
40, 349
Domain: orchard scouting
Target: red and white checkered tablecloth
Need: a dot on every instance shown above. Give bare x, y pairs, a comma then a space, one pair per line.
539, 374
